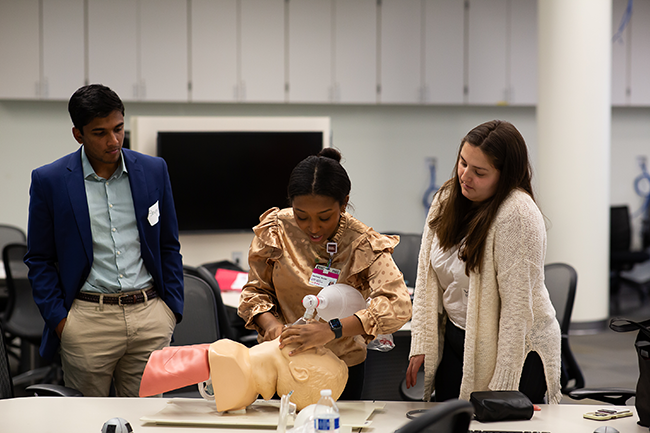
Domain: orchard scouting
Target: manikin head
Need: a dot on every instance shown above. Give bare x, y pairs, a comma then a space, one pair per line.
240, 374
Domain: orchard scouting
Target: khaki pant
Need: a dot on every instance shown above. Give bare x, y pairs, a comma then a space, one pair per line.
113, 342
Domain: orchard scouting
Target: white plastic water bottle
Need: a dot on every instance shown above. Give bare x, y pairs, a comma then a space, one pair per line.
326, 413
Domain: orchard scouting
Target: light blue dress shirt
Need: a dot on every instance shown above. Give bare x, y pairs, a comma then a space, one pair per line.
117, 263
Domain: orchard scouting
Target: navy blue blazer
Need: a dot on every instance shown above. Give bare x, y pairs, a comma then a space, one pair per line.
60, 248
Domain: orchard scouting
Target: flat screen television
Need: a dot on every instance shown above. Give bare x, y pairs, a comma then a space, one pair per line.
223, 181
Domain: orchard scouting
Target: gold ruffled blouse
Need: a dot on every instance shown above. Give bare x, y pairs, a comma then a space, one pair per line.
282, 258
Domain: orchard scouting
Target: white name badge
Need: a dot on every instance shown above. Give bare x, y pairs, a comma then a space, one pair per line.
323, 277
154, 214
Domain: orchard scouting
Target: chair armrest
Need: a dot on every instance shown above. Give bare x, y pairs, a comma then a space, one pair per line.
52, 390
615, 396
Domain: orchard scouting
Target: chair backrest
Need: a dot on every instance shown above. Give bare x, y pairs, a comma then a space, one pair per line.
561, 280
234, 327
452, 416
6, 384
227, 330
620, 233
11, 235
406, 254
200, 322
22, 316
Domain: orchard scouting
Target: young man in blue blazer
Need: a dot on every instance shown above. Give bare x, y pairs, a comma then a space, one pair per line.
104, 258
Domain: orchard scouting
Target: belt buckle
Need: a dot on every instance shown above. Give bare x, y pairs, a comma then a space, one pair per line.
119, 299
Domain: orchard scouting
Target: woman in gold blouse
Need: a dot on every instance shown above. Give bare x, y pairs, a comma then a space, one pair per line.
301, 249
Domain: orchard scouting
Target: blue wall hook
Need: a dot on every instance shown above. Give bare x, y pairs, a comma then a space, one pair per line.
432, 188
639, 181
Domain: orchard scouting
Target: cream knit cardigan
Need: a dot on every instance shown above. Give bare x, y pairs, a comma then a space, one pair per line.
509, 312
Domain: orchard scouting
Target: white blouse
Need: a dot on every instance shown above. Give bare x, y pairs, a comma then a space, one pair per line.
450, 270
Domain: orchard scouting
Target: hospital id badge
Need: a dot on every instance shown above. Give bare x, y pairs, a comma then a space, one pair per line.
321, 276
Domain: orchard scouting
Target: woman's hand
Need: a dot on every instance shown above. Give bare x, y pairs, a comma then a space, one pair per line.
412, 373
308, 336
271, 325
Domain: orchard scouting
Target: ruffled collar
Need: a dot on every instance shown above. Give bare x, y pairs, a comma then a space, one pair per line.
343, 224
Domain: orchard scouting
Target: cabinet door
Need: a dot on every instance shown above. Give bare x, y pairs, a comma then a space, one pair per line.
112, 46
486, 66
163, 50
401, 51
355, 51
19, 49
63, 48
214, 51
444, 64
620, 55
640, 54
522, 88
310, 50
262, 51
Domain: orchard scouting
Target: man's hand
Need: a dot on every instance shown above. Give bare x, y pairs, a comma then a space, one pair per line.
60, 326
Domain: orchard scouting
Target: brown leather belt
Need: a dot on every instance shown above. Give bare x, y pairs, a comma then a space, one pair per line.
135, 297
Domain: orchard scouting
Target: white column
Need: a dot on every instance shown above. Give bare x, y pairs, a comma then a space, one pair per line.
574, 121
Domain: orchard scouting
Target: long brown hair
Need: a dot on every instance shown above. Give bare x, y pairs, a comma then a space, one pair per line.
465, 223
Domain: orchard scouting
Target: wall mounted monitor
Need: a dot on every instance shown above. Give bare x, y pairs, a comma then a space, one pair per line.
223, 181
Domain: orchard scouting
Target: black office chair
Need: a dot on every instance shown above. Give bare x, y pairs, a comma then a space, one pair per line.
233, 325
200, 322
385, 372
23, 321
8, 235
453, 416
622, 258
6, 384
406, 254
561, 281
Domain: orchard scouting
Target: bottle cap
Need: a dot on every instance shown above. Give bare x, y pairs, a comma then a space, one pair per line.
325, 392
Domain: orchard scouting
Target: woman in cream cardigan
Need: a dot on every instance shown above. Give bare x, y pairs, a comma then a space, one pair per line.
482, 317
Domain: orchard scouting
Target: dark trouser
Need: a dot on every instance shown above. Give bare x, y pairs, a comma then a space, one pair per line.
450, 371
354, 387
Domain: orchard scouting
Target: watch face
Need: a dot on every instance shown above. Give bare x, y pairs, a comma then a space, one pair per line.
336, 327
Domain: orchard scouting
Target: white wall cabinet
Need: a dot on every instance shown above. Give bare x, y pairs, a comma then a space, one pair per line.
620, 56
355, 51
262, 51
163, 50
522, 43
139, 48
640, 54
400, 66
310, 51
19, 49
63, 48
444, 63
486, 52
476, 52
214, 61
113, 46
502, 52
